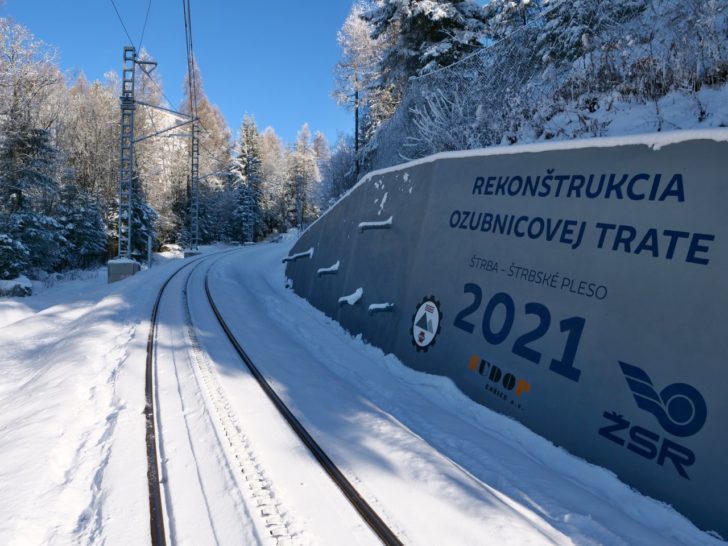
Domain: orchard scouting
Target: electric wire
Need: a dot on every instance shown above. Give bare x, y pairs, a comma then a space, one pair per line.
192, 53
194, 144
122, 23
167, 144
144, 28
190, 58
159, 87
211, 155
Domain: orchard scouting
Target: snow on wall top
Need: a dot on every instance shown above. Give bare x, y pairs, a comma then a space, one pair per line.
655, 141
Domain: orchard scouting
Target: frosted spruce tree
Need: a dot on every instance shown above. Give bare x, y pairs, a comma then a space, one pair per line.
29, 166
14, 256
504, 17
246, 171
143, 220
424, 35
82, 226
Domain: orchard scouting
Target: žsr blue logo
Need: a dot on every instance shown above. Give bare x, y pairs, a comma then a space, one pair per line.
679, 408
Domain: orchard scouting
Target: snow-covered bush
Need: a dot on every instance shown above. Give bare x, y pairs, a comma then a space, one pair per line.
83, 229
143, 220
14, 257
41, 236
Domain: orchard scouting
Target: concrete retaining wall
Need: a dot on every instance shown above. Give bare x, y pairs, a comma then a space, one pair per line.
580, 288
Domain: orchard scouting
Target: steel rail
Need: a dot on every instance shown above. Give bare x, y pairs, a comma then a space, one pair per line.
156, 516
156, 511
375, 522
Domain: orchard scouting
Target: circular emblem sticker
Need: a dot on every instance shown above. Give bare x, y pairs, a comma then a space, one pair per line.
426, 323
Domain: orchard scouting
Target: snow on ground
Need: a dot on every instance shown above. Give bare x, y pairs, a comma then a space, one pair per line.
440, 468
618, 116
61, 288
72, 452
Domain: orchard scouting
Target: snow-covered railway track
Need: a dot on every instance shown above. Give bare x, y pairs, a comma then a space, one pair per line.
207, 483
157, 478
367, 513
242, 456
194, 495
156, 516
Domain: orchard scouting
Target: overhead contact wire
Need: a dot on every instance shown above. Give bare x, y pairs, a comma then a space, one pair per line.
122, 23
144, 28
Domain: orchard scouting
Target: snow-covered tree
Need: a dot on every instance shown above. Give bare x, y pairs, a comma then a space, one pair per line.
82, 227
28, 171
144, 219
41, 235
154, 155
322, 152
14, 256
569, 29
274, 165
143, 224
357, 71
337, 173
321, 147
29, 85
504, 17
88, 137
30, 92
247, 175
214, 133
429, 34
30, 82
303, 178
214, 157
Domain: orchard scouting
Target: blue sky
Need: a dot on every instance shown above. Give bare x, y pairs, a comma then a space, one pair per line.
270, 58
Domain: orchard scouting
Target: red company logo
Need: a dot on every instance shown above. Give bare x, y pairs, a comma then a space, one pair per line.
502, 384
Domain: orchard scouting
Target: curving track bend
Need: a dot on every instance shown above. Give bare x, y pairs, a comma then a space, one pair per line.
216, 486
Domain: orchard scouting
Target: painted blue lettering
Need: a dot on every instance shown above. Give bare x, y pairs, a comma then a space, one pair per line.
696, 246
478, 185
674, 189
604, 228
630, 187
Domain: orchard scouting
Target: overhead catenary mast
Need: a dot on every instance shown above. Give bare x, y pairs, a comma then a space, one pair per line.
123, 266
126, 159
